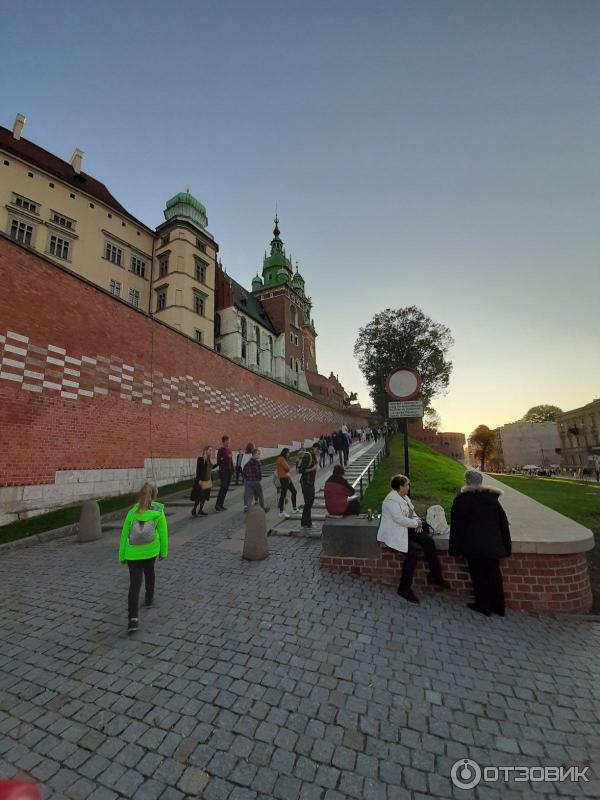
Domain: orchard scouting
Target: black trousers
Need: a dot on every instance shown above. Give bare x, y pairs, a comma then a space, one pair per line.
308, 493
286, 483
225, 480
487, 583
353, 508
138, 569
238, 472
419, 541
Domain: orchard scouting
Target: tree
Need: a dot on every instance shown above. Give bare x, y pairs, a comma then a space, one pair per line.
405, 337
543, 413
484, 441
431, 419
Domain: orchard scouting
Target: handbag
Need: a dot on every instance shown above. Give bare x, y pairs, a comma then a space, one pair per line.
205, 485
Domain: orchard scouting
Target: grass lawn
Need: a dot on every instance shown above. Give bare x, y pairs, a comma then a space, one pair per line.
575, 499
434, 479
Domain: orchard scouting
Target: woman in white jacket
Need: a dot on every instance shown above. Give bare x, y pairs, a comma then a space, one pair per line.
401, 529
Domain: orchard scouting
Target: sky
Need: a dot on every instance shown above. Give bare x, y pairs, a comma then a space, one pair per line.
430, 153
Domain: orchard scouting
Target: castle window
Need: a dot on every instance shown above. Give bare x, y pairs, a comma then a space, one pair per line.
217, 324
114, 287
244, 350
198, 335
164, 240
163, 266
200, 245
21, 232
64, 222
199, 304
59, 247
293, 315
244, 328
113, 254
138, 266
200, 272
134, 298
291, 337
161, 298
25, 204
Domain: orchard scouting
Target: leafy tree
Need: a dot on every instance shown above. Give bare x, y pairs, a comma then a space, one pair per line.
543, 413
405, 337
484, 441
431, 419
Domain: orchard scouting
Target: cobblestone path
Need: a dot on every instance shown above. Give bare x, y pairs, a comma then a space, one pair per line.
274, 680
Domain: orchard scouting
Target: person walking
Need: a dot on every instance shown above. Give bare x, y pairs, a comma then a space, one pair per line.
252, 473
238, 465
245, 459
225, 466
479, 532
308, 472
331, 451
203, 483
322, 451
340, 497
144, 537
282, 470
401, 529
346, 447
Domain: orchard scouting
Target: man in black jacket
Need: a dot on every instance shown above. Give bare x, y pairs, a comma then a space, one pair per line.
479, 532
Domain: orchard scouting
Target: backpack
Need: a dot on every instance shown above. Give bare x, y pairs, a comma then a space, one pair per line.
142, 531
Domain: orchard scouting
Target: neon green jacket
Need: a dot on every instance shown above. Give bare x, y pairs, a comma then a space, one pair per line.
160, 545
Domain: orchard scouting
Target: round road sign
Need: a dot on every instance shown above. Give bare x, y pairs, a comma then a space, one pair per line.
403, 383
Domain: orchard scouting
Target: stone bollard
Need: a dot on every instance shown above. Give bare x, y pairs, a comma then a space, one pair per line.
90, 526
255, 541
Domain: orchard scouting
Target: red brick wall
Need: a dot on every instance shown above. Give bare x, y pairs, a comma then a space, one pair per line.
43, 430
532, 582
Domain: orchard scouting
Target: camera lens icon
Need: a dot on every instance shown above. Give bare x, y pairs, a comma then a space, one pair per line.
465, 773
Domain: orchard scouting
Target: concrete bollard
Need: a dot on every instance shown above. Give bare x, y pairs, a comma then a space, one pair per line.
255, 541
90, 526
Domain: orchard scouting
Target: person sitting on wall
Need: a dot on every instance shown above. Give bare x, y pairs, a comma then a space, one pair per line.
401, 529
480, 533
340, 497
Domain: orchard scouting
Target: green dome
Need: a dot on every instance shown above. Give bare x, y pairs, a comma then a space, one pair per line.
256, 283
186, 205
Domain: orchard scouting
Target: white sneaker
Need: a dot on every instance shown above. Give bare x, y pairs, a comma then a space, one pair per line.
284, 515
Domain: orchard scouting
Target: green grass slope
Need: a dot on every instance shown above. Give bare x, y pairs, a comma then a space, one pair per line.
434, 478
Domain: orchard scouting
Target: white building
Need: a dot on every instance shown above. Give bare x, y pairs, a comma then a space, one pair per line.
521, 443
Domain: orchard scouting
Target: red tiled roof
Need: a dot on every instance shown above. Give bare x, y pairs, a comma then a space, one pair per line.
38, 157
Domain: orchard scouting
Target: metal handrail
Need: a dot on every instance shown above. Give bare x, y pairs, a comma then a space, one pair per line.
372, 465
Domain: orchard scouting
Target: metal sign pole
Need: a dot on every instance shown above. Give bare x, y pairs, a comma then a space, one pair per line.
405, 432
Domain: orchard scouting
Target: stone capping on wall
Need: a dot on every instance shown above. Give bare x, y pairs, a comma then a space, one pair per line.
155, 320
533, 581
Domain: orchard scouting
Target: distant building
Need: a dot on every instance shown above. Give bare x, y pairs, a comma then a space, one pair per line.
522, 442
449, 444
579, 432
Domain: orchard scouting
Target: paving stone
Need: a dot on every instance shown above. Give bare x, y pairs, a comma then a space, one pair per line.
193, 781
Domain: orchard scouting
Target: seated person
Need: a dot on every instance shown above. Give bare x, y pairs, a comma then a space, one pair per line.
340, 498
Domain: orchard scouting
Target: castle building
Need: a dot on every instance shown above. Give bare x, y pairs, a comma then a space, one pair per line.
57, 209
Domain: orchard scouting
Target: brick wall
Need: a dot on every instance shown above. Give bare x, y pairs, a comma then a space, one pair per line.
532, 582
89, 384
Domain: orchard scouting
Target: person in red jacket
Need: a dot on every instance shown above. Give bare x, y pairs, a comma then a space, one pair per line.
340, 497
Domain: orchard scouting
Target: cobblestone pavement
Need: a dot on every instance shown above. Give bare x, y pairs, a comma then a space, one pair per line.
274, 680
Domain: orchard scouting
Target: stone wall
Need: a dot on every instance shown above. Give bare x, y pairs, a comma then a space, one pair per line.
95, 395
539, 583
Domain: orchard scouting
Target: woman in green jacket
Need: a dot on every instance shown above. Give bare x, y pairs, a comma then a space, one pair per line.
144, 536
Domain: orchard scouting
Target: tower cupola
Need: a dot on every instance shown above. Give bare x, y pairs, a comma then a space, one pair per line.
185, 206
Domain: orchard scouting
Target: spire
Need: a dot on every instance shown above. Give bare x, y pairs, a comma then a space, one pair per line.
276, 243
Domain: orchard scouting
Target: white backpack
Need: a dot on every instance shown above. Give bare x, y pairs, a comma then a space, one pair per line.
142, 531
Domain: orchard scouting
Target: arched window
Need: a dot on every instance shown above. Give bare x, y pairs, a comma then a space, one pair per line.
257, 332
217, 324
293, 316
270, 354
244, 328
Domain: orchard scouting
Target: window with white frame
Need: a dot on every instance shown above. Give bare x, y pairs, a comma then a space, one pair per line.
60, 248
134, 297
161, 298
59, 219
198, 335
113, 254
21, 232
293, 315
114, 287
244, 350
26, 204
163, 266
199, 304
138, 266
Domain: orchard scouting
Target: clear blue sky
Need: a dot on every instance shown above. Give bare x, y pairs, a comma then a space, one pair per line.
443, 154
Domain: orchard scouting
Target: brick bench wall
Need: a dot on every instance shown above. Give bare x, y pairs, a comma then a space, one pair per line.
539, 583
